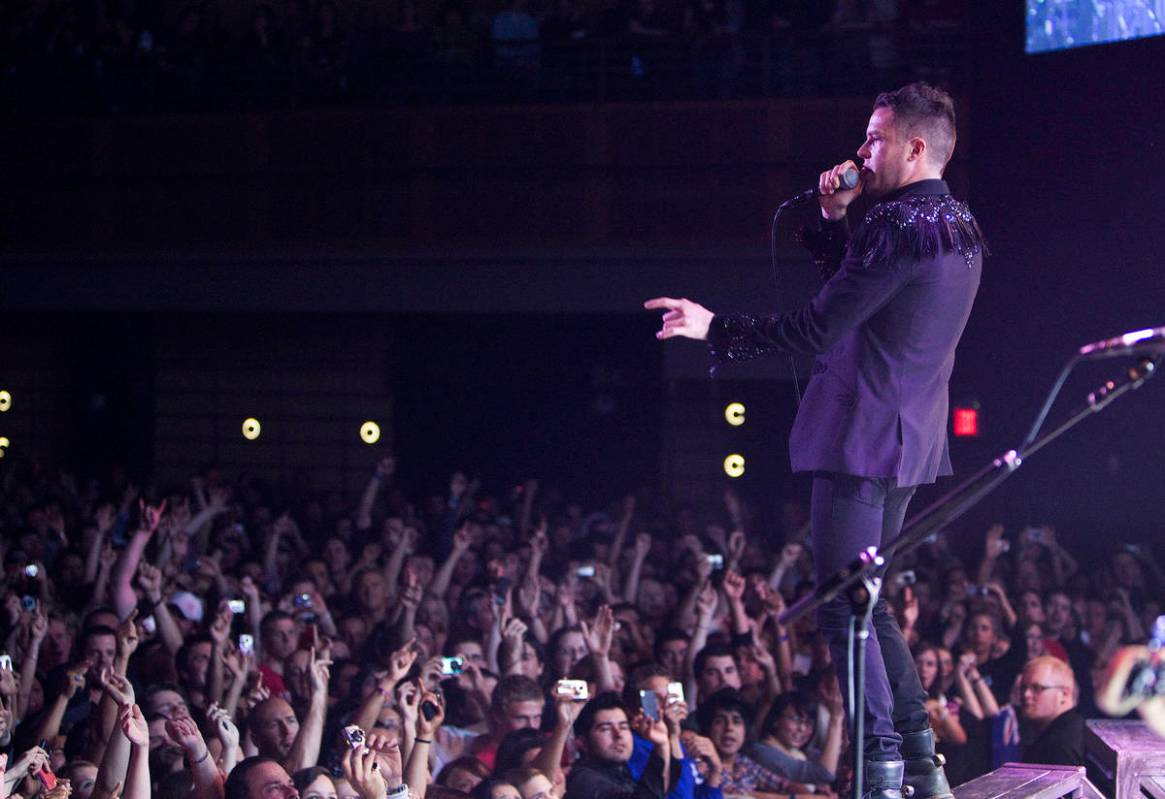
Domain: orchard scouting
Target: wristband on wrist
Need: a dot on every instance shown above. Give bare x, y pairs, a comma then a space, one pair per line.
422, 741
205, 755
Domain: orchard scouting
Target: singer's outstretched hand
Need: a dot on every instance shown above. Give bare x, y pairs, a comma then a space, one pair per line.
682, 318
833, 199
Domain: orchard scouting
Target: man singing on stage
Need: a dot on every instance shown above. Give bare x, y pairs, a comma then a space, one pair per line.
872, 425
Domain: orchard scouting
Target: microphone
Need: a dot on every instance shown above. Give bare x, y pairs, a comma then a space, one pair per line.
849, 180
1150, 341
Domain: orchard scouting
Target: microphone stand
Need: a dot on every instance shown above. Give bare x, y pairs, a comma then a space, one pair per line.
786, 205
861, 580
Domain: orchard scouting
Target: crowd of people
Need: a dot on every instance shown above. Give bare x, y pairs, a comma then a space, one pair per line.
127, 56
226, 640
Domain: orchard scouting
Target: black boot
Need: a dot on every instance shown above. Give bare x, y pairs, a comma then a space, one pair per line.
924, 768
883, 780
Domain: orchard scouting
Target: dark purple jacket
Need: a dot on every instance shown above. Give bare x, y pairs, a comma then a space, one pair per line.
884, 327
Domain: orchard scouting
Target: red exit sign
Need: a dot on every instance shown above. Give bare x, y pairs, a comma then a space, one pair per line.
966, 422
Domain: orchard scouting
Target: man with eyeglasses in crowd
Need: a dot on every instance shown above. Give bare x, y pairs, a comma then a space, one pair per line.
1052, 730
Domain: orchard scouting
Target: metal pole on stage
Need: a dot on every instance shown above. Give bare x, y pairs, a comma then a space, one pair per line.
863, 576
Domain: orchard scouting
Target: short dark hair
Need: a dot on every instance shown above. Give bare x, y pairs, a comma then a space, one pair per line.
626, 607
470, 597
924, 110
87, 621
236, 785
1053, 591
556, 640
484, 789
515, 688
187, 647
642, 672
458, 637
645, 671
800, 701
270, 619
670, 634
512, 749
503, 652
158, 687
992, 616
99, 629
466, 763
711, 651
179, 785
608, 700
306, 776
69, 772
726, 700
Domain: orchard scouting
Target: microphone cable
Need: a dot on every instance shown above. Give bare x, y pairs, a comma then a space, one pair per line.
849, 180
777, 290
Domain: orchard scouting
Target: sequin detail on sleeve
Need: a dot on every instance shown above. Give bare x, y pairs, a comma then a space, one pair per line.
738, 337
918, 227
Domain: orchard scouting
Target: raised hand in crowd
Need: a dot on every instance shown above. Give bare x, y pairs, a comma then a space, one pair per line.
305, 749
375, 769
639, 557
708, 759
734, 549
149, 578
208, 780
513, 641
656, 732
599, 635
733, 588
227, 734
135, 729
428, 721
25, 767
117, 687
660, 579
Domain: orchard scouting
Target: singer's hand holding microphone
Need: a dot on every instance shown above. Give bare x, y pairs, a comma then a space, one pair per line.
837, 188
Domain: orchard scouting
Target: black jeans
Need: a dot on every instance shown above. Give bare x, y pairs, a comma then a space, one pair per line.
849, 514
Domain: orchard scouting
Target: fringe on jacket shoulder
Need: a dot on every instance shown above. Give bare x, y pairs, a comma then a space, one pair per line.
918, 227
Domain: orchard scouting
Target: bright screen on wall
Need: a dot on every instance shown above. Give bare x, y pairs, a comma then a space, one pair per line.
1061, 24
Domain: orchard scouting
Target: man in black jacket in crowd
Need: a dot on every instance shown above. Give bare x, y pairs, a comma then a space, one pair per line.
1052, 730
604, 736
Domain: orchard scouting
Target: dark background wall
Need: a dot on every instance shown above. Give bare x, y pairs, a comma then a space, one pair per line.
526, 238
1063, 184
